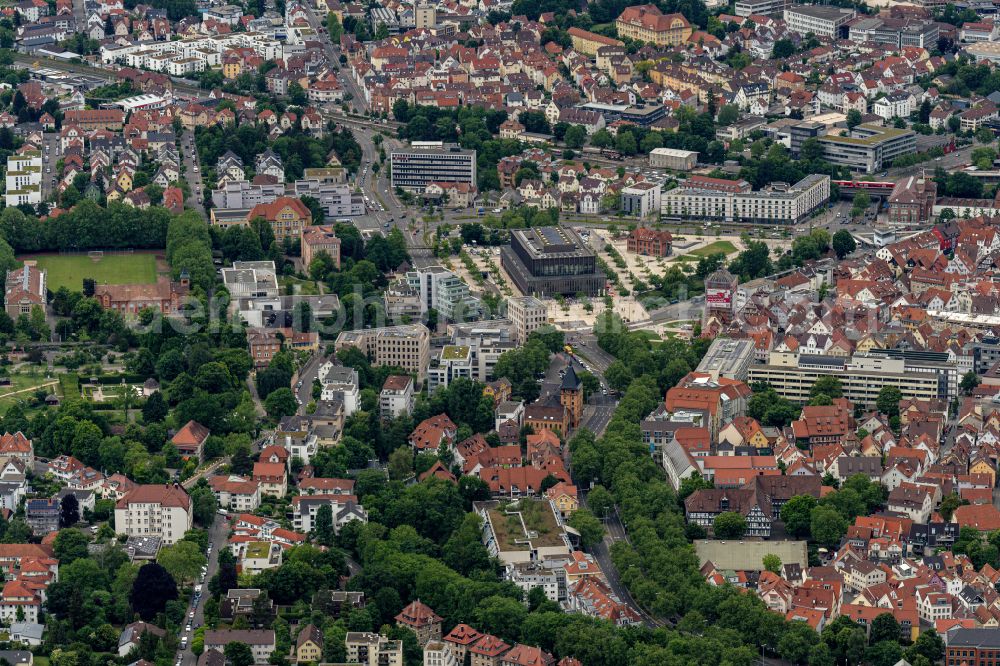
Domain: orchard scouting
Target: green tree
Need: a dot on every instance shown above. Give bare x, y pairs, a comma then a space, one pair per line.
501, 616
827, 526
729, 525
618, 375
155, 410
828, 386
464, 551
884, 653
182, 561
928, 645
782, 49
401, 464
323, 528
796, 514
152, 590
600, 501
884, 627
237, 653
812, 150
772, 563
589, 526
753, 262
281, 403
853, 118
69, 511
970, 381
797, 642
728, 114
949, 503
887, 401
70, 545
576, 136
843, 243
204, 504
602, 139
334, 27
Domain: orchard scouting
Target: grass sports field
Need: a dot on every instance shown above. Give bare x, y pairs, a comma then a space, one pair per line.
69, 270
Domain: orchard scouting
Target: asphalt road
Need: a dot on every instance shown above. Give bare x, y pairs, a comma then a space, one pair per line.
192, 174
615, 532
332, 51
217, 537
50, 155
306, 376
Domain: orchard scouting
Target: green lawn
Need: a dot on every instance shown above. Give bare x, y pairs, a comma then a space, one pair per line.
69, 270
21, 387
713, 248
301, 287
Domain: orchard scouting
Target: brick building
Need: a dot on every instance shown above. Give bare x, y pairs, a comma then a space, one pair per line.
650, 243
912, 200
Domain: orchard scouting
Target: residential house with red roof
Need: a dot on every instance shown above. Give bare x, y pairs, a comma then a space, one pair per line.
421, 620
272, 477
160, 510
190, 441
434, 434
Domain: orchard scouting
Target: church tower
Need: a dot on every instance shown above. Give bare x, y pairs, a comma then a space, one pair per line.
571, 397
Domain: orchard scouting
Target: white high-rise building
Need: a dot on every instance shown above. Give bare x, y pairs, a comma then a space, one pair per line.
24, 178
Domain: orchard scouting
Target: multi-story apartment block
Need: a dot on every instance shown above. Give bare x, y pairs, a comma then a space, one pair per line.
336, 199
367, 649
236, 493
445, 292
286, 215
190, 55
407, 346
319, 239
527, 314
396, 398
673, 158
439, 653
24, 178
261, 641
160, 510
641, 200
782, 204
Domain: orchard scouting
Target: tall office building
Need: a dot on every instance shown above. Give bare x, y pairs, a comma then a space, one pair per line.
546, 261
426, 162
869, 147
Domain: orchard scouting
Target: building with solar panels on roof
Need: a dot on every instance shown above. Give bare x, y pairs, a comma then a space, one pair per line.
546, 261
